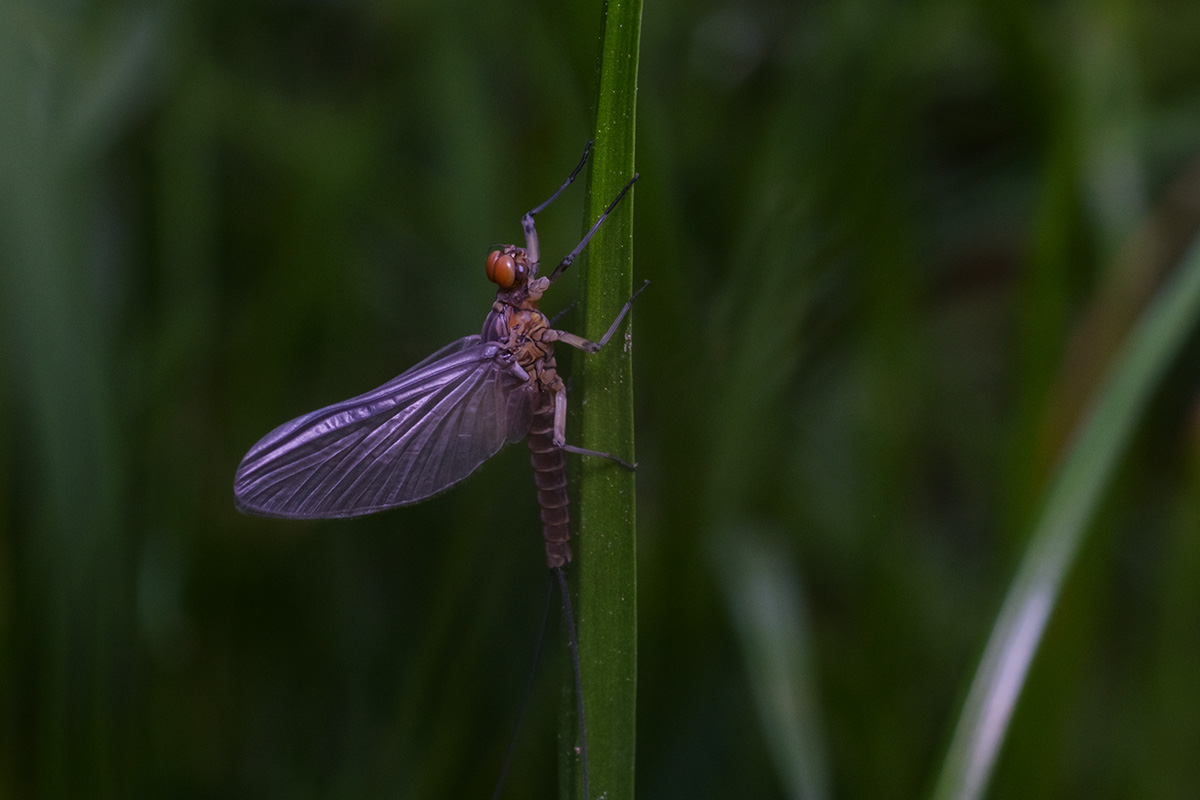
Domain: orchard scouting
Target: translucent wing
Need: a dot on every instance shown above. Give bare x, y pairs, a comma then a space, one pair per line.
413, 437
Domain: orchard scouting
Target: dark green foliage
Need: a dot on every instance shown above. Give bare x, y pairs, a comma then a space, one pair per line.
894, 250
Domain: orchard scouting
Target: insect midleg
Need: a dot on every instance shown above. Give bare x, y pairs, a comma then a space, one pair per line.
576, 341
531, 238
558, 391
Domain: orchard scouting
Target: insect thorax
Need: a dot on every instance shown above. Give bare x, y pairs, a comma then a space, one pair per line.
521, 330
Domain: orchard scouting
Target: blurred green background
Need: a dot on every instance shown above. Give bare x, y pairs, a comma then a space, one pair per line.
893, 248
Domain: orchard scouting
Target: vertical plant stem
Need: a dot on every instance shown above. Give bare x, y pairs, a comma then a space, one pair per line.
607, 570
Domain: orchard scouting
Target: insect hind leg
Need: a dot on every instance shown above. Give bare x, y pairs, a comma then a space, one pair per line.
559, 437
570, 448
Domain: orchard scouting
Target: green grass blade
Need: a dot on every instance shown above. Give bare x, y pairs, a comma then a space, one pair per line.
771, 618
607, 570
1055, 542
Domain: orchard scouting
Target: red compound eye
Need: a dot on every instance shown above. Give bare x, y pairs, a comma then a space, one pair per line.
501, 269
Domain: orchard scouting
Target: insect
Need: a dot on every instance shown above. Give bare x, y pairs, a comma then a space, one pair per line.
433, 425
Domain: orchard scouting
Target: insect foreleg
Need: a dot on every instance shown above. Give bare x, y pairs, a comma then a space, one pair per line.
531, 239
566, 262
554, 320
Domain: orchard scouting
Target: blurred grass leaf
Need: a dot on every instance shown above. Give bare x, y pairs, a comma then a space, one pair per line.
1054, 545
767, 605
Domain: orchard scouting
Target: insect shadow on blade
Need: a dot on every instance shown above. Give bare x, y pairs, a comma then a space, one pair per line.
432, 426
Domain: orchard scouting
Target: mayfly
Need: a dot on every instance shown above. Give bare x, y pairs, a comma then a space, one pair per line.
429, 428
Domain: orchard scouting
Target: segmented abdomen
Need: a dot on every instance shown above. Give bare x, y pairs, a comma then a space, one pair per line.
550, 476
